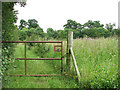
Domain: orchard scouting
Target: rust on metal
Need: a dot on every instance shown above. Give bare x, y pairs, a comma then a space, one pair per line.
37, 58
38, 75
25, 59
30, 41
61, 58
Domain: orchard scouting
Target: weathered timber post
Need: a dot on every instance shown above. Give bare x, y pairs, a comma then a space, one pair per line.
69, 57
119, 42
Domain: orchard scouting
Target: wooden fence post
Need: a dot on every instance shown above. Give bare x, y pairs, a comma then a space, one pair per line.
119, 41
69, 45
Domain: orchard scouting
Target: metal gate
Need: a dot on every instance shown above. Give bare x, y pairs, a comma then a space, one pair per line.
59, 50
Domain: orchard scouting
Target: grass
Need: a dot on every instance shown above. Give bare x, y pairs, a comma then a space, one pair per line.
97, 60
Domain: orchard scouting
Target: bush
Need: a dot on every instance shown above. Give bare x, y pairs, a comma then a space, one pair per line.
27, 33
116, 32
40, 49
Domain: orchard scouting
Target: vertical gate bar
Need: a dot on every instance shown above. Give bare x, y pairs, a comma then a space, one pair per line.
25, 58
61, 57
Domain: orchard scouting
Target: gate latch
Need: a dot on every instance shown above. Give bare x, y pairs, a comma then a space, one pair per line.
57, 48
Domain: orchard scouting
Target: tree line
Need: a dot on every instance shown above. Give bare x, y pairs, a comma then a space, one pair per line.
93, 29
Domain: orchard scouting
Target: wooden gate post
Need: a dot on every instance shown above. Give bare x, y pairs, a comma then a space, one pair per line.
69, 57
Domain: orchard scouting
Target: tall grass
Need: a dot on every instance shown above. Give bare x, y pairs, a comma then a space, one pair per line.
97, 60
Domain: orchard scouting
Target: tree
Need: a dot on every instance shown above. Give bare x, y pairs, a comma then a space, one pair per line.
78, 34
32, 23
92, 24
72, 25
61, 34
23, 24
39, 31
50, 32
109, 27
75, 27
96, 32
25, 32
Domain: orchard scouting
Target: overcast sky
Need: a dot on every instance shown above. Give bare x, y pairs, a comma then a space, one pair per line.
55, 13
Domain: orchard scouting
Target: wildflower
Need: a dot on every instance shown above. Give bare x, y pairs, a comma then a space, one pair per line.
90, 39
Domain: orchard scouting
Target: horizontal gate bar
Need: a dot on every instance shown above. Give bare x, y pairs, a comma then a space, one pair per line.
30, 41
37, 58
37, 75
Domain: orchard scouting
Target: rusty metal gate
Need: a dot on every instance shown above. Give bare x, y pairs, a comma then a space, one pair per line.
59, 50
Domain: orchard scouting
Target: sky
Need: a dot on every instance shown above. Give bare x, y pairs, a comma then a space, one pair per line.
55, 13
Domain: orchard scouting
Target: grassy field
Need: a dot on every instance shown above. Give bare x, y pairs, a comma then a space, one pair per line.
97, 60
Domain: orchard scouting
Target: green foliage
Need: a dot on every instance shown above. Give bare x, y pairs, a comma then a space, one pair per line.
96, 32
61, 34
50, 32
23, 24
8, 19
91, 29
40, 49
115, 32
78, 34
92, 24
56, 34
109, 27
32, 32
32, 23
72, 25
9, 32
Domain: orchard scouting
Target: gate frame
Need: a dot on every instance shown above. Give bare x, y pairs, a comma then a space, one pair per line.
38, 58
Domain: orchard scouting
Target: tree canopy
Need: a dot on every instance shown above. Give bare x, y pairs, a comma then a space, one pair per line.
72, 25
92, 24
32, 23
23, 24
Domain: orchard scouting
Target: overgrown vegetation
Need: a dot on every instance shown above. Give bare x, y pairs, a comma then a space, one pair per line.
97, 60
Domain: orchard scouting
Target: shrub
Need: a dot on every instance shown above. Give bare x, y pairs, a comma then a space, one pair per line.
40, 49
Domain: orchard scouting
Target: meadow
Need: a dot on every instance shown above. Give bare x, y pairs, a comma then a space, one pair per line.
97, 60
